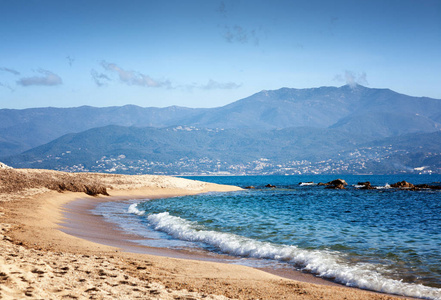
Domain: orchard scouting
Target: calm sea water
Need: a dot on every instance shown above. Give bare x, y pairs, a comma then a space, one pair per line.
384, 240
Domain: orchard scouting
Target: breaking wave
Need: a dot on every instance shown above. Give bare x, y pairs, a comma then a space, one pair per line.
133, 209
326, 264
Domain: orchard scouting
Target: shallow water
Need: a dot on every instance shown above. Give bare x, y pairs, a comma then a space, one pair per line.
385, 240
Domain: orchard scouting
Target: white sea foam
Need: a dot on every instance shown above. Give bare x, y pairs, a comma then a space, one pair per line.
307, 183
133, 209
358, 186
322, 263
386, 186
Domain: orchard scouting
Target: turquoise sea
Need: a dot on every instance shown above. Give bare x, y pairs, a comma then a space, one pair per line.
385, 240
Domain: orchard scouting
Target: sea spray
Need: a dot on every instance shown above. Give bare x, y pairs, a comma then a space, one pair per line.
133, 209
326, 264
386, 186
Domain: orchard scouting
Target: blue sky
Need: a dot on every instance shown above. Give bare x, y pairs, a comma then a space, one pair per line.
210, 53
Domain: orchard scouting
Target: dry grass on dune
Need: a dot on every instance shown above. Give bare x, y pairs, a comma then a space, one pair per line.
36, 181
13, 180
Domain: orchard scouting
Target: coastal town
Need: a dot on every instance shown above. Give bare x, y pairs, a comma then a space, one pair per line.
380, 160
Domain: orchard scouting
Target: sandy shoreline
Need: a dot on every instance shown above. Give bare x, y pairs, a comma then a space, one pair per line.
38, 260
79, 221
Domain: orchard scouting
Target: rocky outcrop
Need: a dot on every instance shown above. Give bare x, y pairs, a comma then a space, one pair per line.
341, 184
336, 187
338, 184
270, 186
365, 186
427, 186
414, 187
403, 185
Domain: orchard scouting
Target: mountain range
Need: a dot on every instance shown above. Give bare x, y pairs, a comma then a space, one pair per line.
281, 126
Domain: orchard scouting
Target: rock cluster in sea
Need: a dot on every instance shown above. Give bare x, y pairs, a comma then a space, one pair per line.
341, 184
401, 185
407, 185
337, 184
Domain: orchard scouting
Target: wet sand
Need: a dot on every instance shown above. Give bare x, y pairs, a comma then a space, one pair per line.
81, 222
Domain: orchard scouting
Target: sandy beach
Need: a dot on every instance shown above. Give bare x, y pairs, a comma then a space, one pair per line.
51, 248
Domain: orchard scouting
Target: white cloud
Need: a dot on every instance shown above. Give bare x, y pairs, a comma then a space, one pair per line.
212, 85
133, 77
352, 79
47, 79
140, 79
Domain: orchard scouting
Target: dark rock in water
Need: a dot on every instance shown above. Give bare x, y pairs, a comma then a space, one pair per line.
338, 182
250, 187
427, 186
423, 186
337, 186
270, 186
403, 185
321, 184
366, 186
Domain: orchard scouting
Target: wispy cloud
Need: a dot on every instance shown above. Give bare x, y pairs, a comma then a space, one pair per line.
238, 34
233, 32
46, 79
352, 79
134, 77
70, 60
100, 79
333, 22
215, 85
212, 85
6, 86
222, 9
12, 71
140, 79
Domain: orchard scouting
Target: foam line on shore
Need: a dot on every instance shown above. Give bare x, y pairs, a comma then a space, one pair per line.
325, 264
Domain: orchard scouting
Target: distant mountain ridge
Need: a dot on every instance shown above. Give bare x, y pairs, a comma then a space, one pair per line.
322, 115
319, 107
21, 130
